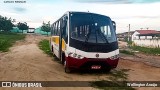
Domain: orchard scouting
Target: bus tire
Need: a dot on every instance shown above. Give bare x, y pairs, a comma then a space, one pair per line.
53, 51
67, 70
63, 58
108, 70
50, 45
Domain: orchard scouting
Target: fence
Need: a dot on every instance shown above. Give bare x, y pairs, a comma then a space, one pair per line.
39, 31
16, 30
153, 43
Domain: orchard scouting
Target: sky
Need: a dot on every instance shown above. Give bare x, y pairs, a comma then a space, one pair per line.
138, 13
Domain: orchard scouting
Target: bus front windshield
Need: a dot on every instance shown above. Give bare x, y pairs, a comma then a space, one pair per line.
92, 28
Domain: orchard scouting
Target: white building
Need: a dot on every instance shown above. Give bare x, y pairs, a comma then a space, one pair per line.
146, 38
31, 30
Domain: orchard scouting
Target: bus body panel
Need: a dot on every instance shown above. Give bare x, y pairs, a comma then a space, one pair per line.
55, 44
89, 59
93, 54
86, 63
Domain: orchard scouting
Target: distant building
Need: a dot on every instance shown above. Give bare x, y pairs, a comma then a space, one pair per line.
145, 34
31, 30
147, 38
124, 36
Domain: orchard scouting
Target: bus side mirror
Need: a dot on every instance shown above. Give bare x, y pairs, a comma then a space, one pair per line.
114, 25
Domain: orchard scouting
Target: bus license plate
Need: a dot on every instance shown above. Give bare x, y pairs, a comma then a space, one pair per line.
95, 67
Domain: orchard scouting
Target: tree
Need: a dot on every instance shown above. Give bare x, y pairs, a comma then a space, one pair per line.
46, 27
5, 24
22, 26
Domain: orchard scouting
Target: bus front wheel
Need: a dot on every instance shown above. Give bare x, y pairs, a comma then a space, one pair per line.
108, 69
67, 70
63, 58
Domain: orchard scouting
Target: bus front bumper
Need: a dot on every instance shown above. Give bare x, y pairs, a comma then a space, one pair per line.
88, 63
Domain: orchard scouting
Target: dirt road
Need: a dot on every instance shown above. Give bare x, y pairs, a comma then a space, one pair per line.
26, 62
151, 60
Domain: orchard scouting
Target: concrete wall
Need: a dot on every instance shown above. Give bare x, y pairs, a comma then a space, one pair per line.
135, 37
154, 43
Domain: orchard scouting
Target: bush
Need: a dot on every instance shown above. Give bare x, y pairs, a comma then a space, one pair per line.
8, 39
147, 50
44, 45
126, 52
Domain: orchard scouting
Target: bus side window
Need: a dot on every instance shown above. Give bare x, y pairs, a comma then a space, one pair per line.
65, 30
59, 26
52, 30
56, 28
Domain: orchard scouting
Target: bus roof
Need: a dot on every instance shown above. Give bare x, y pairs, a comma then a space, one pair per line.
68, 12
83, 12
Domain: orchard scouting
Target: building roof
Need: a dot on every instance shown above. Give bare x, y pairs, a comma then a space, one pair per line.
147, 32
131, 32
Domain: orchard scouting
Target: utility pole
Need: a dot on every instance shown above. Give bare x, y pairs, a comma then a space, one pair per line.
129, 32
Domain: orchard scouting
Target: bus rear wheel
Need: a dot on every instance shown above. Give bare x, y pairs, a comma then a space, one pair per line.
53, 51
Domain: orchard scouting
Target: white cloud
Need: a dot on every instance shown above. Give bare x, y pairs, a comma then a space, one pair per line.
8, 14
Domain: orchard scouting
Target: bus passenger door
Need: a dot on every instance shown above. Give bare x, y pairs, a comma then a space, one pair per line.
62, 39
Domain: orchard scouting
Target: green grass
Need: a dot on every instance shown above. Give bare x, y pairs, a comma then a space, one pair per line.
44, 45
146, 50
127, 52
8, 39
117, 81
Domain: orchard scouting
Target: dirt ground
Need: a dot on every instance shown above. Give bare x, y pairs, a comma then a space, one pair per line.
26, 62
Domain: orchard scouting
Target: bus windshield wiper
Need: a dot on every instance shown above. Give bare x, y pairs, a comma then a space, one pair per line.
102, 36
87, 36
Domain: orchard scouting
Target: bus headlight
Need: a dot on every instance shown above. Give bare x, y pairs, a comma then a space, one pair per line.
74, 55
114, 57
80, 57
